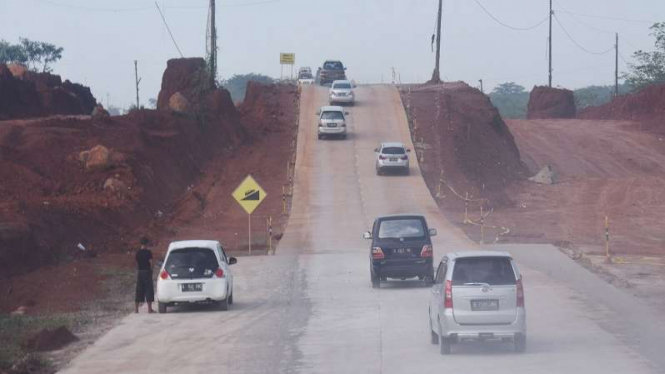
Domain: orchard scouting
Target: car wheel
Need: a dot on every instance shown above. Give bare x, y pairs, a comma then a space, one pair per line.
520, 343
376, 281
320, 136
231, 299
407, 171
223, 305
344, 136
161, 307
379, 172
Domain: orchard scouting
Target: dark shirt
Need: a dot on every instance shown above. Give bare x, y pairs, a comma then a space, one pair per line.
143, 257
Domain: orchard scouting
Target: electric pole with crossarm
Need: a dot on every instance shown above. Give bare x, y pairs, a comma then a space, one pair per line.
436, 76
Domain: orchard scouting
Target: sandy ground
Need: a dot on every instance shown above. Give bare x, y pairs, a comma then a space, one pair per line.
311, 309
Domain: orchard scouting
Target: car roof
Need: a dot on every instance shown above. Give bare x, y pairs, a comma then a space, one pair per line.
341, 81
470, 254
393, 144
331, 61
401, 215
193, 244
330, 108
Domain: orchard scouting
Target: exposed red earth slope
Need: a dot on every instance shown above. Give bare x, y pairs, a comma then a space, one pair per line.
50, 202
465, 140
646, 106
26, 94
548, 102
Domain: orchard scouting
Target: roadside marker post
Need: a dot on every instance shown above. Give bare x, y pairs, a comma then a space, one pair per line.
482, 226
249, 195
608, 257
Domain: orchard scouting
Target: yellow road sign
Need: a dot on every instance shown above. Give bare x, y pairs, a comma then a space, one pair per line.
287, 58
249, 194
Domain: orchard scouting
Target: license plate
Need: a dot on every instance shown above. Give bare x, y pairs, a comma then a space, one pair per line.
393, 159
191, 287
332, 125
484, 305
402, 250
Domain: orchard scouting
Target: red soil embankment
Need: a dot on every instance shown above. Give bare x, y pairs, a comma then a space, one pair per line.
548, 102
26, 94
466, 141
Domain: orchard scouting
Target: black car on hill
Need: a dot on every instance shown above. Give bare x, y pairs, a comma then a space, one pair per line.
401, 248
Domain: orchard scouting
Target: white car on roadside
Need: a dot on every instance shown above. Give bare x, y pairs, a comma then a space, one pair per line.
195, 271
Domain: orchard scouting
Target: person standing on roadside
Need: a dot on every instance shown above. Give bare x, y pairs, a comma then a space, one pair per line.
145, 290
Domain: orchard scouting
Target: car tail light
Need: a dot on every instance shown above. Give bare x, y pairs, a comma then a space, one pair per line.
164, 274
405, 157
382, 157
426, 251
448, 295
219, 273
377, 254
520, 293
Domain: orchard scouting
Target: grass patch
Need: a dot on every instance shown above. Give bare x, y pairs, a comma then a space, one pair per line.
14, 331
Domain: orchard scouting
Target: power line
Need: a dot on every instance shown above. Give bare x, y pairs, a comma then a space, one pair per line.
509, 26
608, 17
572, 15
578, 44
169, 30
140, 9
624, 59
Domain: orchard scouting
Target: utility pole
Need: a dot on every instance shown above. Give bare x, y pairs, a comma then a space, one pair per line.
436, 76
138, 80
616, 67
213, 46
550, 45
481, 85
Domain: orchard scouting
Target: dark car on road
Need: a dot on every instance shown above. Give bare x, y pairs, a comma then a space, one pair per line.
331, 71
401, 248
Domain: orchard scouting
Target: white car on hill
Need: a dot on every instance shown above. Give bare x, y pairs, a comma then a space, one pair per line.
195, 271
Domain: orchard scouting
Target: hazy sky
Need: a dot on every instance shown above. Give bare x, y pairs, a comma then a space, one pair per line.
102, 38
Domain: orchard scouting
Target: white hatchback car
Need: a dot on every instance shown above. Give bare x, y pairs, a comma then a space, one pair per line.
195, 271
477, 295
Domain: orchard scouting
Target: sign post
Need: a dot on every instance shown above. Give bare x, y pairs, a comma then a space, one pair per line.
287, 59
249, 195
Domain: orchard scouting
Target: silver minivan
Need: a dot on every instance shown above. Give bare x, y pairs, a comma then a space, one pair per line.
477, 295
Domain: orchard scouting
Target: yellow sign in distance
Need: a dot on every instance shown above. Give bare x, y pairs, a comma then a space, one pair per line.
249, 194
287, 58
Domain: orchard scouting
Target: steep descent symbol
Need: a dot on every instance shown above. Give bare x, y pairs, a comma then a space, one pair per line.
252, 195
249, 194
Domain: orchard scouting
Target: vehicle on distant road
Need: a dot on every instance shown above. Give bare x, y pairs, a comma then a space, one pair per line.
305, 76
401, 248
477, 295
332, 122
341, 92
392, 156
330, 71
195, 271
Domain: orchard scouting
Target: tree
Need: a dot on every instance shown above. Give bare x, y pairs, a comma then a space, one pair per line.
597, 95
510, 99
30, 53
650, 68
152, 103
237, 85
10, 53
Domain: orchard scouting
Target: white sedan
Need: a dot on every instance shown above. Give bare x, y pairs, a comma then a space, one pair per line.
195, 271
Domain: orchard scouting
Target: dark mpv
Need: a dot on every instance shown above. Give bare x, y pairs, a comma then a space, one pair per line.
401, 248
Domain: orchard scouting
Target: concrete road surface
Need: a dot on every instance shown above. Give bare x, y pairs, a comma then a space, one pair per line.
311, 308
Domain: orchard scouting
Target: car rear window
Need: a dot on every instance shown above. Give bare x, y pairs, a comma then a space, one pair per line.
343, 86
491, 270
393, 151
305, 75
333, 65
191, 263
332, 115
401, 228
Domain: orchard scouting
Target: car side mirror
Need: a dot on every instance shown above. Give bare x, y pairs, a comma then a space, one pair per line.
367, 235
432, 232
376, 150
344, 68
233, 260
318, 113
346, 113
408, 151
